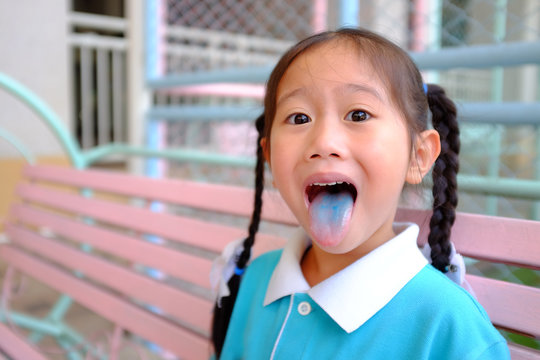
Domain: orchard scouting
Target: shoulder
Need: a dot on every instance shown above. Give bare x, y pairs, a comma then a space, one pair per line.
452, 316
253, 289
440, 298
259, 272
249, 311
443, 295
268, 259
263, 264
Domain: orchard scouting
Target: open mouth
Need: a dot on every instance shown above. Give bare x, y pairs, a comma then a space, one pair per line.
330, 207
335, 187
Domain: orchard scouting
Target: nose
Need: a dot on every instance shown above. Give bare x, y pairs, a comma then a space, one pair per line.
327, 140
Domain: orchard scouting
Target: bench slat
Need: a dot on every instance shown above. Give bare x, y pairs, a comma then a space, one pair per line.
184, 266
157, 330
486, 231
509, 305
195, 232
15, 347
215, 197
487, 237
512, 241
213, 237
518, 352
190, 308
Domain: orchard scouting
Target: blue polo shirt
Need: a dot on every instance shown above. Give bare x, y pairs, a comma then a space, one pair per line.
390, 304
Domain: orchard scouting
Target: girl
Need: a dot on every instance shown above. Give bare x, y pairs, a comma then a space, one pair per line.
344, 128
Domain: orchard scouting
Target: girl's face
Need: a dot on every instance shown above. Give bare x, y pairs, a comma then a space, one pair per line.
334, 122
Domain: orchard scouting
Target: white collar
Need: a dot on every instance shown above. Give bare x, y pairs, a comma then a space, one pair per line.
353, 295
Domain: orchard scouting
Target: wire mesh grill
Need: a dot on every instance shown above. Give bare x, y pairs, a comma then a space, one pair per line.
212, 34
281, 19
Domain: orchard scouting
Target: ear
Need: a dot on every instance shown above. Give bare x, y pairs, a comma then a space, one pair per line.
425, 151
266, 153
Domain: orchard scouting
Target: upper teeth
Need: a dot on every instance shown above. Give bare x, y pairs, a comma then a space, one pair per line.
328, 184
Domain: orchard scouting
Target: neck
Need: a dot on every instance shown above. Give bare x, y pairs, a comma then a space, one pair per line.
318, 265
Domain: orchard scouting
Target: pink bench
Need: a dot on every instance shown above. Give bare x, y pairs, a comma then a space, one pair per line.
88, 233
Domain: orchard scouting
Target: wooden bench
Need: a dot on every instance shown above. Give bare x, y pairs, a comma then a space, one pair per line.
94, 235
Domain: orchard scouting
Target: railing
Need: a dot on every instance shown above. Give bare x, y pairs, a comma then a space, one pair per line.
99, 53
81, 158
518, 188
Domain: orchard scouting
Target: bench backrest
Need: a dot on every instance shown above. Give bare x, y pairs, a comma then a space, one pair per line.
129, 225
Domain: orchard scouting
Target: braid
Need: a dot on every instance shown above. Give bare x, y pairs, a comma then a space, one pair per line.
222, 314
445, 198
257, 206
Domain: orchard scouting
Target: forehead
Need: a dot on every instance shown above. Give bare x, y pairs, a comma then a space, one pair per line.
336, 63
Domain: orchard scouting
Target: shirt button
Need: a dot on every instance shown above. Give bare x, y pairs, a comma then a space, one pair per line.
304, 308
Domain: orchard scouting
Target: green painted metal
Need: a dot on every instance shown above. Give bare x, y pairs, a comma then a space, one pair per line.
28, 322
62, 306
472, 57
484, 112
535, 211
215, 113
503, 113
71, 351
256, 74
478, 112
182, 155
46, 114
36, 336
71, 336
18, 145
515, 188
528, 189
479, 56
55, 316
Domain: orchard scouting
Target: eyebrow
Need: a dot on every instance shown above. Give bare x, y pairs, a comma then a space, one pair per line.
350, 87
290, 94
346, 88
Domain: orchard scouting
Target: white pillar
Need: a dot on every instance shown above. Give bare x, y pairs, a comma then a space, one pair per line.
391, 19
138, 96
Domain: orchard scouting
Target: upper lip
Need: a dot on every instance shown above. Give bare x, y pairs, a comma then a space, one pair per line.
327, 178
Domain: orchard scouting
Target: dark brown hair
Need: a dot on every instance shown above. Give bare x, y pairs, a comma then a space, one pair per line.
406, 90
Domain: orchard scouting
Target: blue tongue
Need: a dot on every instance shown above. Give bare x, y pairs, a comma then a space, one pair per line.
330, 214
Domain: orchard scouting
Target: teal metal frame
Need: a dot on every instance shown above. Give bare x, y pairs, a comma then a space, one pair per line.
18, 145
519, 188
67, 337
81, 159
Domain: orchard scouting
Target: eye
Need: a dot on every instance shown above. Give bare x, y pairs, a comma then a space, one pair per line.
357, 116
298, 119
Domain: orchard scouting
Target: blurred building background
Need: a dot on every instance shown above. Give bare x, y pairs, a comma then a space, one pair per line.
107, 67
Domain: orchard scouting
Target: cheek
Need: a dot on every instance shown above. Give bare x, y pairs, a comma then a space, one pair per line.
390, 156
277, 159
284, 166
277, 148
